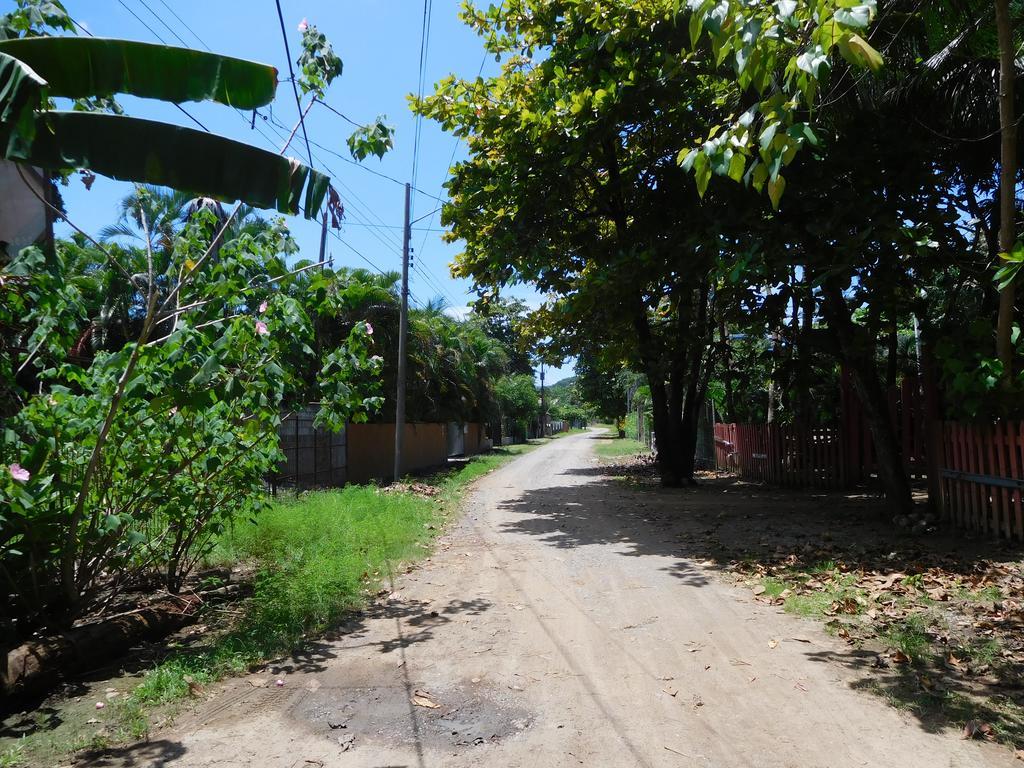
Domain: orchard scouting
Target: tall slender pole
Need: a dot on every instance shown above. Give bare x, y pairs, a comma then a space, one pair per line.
323, 241
403, 327
543, 405
1007, 183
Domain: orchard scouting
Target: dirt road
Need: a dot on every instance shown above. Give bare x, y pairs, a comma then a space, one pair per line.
553, 629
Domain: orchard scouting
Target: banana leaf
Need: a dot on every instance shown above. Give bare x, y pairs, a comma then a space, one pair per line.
21, 93
146, 151
77, 67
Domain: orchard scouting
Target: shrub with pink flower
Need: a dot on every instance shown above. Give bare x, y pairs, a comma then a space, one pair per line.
303, 25
19, 473
369, 329
263, 307
261, 328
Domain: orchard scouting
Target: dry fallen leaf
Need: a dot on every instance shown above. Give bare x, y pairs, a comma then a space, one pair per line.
975, 729
423, 699
899, 657
347, 741
759, 589
670, 690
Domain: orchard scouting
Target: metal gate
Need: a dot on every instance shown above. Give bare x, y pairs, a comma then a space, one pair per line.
313, 457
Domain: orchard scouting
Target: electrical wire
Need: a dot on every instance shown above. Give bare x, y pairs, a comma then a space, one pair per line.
428, 7
295, 85
182, 22
165, 24
448, 171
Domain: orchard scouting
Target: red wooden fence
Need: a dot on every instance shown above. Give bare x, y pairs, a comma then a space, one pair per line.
825, 456
977, 470
982, 477
791, 455
906, 410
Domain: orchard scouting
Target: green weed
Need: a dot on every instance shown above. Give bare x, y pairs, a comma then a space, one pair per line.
773, 587
12, 756
909, 635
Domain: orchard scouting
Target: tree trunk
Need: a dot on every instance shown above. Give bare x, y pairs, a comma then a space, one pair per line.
859, 359
665, 425
1007, 182
668, 453
688, 444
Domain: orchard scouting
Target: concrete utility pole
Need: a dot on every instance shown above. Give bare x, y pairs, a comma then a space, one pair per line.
323, 242
543, 405
403, 327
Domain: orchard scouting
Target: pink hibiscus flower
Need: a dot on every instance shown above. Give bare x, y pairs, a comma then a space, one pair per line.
19, 473
303, 25
261, 328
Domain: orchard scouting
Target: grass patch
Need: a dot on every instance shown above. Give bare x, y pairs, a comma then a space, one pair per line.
814, 604
909, 635
838, 592
773, 587
989, 594
12, 756
320, 556
618, 447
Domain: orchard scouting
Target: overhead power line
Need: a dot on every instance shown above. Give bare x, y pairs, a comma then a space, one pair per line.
295, 85
428, 7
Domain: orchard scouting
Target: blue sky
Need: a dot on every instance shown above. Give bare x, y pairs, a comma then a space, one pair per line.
379, 43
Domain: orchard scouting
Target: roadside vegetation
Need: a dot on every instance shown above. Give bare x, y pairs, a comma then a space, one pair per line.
311, 560
610, 447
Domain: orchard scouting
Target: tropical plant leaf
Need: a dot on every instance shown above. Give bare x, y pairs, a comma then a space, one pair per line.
133, 149
77, 67
21, 94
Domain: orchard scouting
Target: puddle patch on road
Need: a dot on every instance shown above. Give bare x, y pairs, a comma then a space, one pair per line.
466, 717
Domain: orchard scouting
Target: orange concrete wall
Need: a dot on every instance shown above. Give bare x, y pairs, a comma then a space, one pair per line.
371, 449
476, 439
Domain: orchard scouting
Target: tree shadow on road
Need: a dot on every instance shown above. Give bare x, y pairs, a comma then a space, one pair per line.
160, 752
753, 532
423, 618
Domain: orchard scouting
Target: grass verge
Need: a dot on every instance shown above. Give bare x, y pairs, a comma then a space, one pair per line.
617, 447
317, 557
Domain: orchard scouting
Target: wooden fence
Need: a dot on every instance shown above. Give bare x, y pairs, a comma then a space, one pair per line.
907, 413
790, 455
982, 477
977, 470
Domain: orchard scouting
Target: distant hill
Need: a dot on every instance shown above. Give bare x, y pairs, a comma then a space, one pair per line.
561, 389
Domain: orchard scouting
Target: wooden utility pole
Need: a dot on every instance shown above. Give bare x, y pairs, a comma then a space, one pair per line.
1007, 181
403, 327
